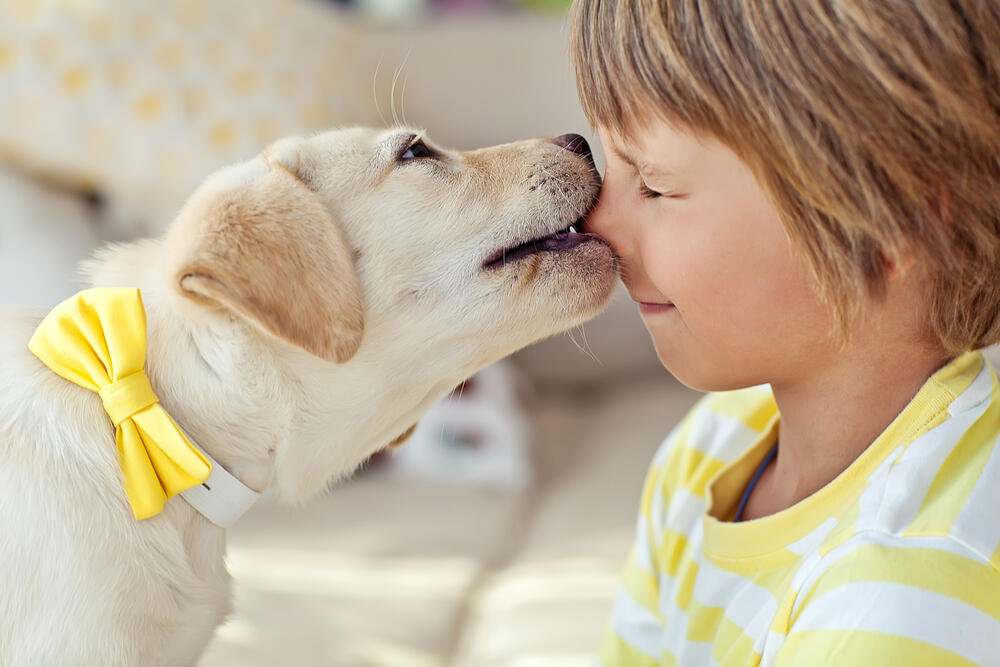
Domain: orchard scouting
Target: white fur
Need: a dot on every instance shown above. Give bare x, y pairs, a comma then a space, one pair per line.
81, 581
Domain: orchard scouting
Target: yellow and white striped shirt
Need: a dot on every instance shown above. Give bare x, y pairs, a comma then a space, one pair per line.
894, 562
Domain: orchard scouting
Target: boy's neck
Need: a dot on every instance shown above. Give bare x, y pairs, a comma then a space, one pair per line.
830, 418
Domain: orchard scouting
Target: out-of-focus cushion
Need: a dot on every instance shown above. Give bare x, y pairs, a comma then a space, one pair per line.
142, 99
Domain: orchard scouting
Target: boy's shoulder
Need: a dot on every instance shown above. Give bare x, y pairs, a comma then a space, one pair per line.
720, 421
717, 430
946, 481
753, 407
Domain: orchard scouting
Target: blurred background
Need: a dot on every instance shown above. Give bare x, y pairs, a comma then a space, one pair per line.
496, 534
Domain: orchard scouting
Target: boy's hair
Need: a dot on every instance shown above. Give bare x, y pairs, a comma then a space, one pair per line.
873, 126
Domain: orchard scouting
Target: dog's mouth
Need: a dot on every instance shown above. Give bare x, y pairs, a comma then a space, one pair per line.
561, 241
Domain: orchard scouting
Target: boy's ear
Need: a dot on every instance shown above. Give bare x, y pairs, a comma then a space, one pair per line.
897, 264
257, 241
904, 258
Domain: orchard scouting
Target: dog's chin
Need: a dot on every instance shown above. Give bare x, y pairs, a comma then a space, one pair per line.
562, 280
580, 279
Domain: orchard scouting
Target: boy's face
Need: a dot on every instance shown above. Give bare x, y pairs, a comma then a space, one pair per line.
727, 300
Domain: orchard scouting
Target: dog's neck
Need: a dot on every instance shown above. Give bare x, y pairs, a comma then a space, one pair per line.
272, 415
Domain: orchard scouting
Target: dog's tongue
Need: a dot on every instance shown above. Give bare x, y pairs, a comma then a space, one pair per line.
566, 241
561, 241
548, 244
553, 243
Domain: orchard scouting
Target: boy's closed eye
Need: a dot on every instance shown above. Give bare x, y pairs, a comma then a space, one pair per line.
647, 192
644, 173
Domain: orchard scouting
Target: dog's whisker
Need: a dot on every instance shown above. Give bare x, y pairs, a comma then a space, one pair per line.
378, 108
586, 343
562, 304
587, 352
557, 179
395, 79
576, 343
559, 182
569, 333
402, 99
392, 100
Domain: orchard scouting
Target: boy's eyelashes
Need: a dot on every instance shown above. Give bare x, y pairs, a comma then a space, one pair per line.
647, 192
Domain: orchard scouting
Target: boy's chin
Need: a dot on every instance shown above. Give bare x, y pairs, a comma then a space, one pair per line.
700, 371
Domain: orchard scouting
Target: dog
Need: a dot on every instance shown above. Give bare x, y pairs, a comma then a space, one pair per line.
304, 309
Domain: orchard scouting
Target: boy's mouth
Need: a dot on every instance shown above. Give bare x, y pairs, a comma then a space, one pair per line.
653, 308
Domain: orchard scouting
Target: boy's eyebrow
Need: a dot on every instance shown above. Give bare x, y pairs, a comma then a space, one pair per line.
642, 167
624, 156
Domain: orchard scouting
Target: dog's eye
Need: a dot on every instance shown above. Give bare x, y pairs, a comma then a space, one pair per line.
416, 151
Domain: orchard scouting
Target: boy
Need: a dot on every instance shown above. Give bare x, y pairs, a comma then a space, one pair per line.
805, 196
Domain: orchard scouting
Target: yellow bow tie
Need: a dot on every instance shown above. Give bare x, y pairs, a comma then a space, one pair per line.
97, 339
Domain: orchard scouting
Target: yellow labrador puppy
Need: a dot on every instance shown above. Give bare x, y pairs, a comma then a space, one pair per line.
303, 311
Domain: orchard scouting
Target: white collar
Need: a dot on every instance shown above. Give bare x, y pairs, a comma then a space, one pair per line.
222, 499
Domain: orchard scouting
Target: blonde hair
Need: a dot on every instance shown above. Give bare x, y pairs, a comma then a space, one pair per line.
873, 126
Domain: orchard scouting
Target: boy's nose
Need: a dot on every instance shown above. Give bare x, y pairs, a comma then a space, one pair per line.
575, 143
611, 222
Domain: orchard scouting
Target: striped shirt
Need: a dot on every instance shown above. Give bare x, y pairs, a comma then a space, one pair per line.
894, 562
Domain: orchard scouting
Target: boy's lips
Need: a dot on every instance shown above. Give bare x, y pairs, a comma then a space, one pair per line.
652, 307
649, 304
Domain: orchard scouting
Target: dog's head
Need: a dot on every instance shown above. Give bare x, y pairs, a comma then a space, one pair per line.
318, 239
380, 247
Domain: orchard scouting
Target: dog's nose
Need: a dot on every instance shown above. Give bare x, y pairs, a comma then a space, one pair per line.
575, 143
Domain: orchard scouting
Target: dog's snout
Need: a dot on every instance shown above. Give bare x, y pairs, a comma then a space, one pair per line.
575, 143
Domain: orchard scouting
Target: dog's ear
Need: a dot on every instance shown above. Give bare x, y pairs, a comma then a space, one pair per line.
256, 240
